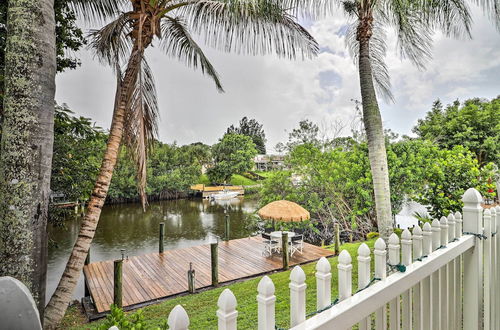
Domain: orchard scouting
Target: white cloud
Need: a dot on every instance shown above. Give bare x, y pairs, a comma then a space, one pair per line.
280, 93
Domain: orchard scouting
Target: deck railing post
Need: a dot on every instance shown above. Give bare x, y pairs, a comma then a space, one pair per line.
162, 237
323, 283
86, 287
226, 217
117, 283
178, 319
435, 284
266, 301
473, 261
214, 256
417, 239
227, 314
364, 278
297, 296
380, 255
284, 249
494, 257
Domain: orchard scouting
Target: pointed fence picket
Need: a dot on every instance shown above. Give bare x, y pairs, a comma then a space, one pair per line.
435, 277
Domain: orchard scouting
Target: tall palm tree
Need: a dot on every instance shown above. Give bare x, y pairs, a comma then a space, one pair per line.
27, 138
414, 22
246, 26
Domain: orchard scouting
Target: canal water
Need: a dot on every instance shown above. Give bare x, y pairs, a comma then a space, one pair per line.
188, 222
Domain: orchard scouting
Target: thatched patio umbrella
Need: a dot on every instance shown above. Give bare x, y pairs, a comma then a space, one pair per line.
285, 211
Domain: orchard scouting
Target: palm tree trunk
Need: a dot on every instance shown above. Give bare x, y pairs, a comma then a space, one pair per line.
62, 296
27, 139
376, 141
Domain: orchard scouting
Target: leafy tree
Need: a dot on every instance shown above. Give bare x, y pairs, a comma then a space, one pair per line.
474, 125
306, 133
243, 25
78, 148
251, 128
232, 155
414, 23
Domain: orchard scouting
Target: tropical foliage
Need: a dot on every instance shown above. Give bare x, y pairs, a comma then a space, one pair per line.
232, 155
475, 124
335, 185
251, 128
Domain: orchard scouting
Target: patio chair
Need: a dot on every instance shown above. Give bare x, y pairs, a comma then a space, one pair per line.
268, 230
270, 245
296, 244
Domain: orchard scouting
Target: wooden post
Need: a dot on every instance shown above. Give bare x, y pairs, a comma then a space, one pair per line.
191, 278
162, 236
215, 263
284, 250
86, 288
117, 283
472, 217
336, 229
227, 226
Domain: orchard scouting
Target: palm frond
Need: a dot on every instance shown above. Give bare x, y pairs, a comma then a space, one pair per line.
111, 44
253, 27
413, 30
453, 17
178, 44
95, 11
492, 9
378, 50
141, 123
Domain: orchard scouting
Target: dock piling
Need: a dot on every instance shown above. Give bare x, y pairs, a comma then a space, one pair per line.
284, 248
215, 263
162, 237
117, 283
191, 278
336, 229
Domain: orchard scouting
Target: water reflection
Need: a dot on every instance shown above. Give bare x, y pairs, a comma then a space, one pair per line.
187, 223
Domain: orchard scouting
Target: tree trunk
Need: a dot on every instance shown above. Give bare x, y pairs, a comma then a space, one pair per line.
59, 301
376, 141
27, 139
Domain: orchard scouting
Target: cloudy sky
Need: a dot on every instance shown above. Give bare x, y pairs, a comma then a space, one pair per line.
279, 93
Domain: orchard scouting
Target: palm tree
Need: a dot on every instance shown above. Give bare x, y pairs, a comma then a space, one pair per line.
27, 138
246, 26
414, 22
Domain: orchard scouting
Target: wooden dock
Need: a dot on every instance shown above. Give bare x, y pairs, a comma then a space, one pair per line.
149, 277
207, 191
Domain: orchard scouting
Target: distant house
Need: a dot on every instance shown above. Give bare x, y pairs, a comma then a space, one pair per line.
269, 162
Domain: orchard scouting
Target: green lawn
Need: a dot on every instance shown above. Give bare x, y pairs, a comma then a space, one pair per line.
202, 307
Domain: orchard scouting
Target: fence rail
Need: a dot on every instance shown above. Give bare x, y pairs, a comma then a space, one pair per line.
445, 275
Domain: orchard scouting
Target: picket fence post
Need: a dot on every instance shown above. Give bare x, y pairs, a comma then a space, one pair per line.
473, 261
487, 268
406, 260
452, 302
493, 270
344, 268
394, 259
323, 283
497, 263
426, 283
227, 314
297, 296
266, 304
364, 278
443, 277
178, 319
417, 289
458, 274
435, 287
381, 273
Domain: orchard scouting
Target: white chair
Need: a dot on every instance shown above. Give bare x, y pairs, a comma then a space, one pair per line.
270, 245
296, 244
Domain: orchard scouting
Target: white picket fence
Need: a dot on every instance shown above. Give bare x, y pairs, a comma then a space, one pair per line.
438, 277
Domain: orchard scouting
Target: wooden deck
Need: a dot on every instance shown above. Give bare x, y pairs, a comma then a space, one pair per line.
158, 275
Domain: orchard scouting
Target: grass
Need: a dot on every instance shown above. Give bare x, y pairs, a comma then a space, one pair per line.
236, 180
202, 307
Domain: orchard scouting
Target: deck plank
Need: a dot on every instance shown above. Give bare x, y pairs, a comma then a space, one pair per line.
159, 275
